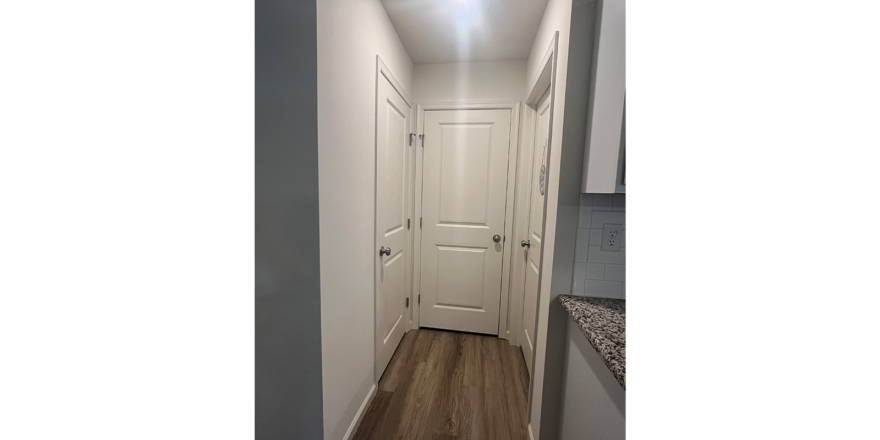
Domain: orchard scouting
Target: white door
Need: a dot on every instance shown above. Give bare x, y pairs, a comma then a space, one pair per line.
536, 225
392, 142
463, 206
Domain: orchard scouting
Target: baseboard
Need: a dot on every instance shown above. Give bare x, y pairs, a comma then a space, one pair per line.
360, 414
531, 436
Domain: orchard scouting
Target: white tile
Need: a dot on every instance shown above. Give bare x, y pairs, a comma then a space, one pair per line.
602, 202
604, 289
623, 291
615, 272
601, 217
577, 283
596, 237
619, 202
596, 255
582, 246
595, 271
585, 214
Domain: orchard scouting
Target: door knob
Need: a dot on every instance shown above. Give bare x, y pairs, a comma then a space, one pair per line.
496, 238
384, 251
526, 243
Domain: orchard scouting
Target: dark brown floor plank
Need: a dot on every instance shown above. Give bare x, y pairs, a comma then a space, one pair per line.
394, 370
375, 416
512, 391
419, 421
475, 418
495, 415
448, 352
400, 402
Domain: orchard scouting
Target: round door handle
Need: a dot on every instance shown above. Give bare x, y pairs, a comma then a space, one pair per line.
526, 243
496, 238
384, 251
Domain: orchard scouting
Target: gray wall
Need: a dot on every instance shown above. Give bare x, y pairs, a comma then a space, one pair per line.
597, 272
288, 400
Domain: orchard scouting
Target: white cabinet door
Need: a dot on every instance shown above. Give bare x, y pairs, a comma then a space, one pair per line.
536, 226
392, 141
463, 207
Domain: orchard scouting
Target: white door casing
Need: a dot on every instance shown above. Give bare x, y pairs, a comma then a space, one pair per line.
393, 117
536, 225
464, 198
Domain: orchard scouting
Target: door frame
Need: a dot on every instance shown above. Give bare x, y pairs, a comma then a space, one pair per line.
470, 104
382, 70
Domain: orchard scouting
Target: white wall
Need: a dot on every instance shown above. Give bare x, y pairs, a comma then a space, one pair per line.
565, 166
496, 80
288, 394
350, 35
593, 402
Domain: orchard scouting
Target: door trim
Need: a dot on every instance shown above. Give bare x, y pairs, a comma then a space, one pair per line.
503, 311
382, 70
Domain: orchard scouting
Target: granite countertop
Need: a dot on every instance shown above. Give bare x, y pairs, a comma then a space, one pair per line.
603, 322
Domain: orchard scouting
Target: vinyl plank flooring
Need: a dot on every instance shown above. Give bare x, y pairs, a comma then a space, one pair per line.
450, 386
494, 411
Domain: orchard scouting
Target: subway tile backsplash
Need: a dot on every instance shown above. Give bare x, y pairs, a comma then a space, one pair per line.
597, 272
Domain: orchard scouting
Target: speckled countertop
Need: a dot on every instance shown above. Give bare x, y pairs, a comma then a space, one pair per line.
603, 322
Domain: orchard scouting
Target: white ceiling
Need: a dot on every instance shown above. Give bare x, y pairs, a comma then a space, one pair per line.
447, 31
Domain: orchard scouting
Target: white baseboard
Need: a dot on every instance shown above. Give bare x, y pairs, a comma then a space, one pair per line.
531, 436
360, 414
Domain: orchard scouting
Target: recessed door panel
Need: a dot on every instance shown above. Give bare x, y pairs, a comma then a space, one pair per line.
466, 152
393, 176
460, 279
393, 280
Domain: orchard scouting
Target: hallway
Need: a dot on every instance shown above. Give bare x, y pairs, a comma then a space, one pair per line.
450, 385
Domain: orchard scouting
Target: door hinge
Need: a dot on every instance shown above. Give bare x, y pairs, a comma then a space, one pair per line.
411, 136
407, 303
420, 298
422, 137
420, 223
407, 223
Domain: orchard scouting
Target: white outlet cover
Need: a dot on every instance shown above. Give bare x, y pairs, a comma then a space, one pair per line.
611, 237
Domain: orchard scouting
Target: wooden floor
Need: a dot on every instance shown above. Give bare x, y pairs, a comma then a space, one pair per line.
443, 385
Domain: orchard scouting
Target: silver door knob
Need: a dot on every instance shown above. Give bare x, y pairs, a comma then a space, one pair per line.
496, 238
526, 243
384, 251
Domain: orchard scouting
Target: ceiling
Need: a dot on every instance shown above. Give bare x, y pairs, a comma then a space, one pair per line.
448, 31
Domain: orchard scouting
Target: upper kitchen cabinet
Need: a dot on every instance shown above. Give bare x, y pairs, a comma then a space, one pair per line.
604, 170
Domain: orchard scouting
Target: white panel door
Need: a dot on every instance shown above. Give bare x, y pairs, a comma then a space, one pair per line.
536, 226
463, 207
392, 142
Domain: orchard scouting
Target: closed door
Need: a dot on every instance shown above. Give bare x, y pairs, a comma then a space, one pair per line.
463, 208
535, 231
392, 142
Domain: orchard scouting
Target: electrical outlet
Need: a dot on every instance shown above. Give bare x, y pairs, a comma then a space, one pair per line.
611, 237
